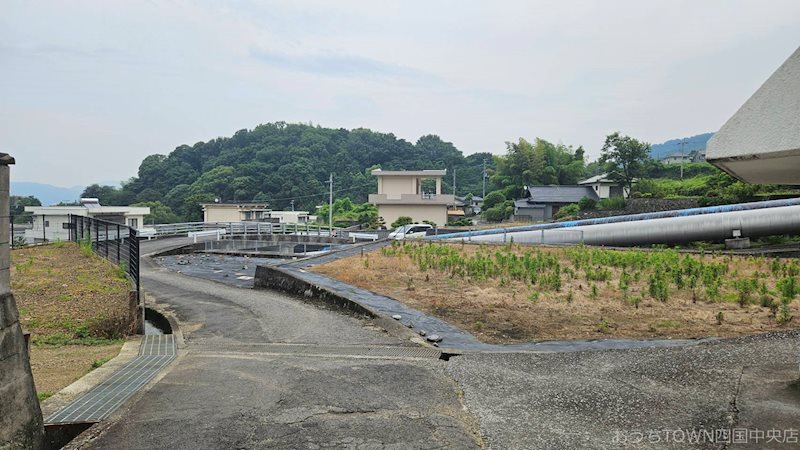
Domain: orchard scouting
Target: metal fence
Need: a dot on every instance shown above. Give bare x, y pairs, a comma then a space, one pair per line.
114, 241
233, 228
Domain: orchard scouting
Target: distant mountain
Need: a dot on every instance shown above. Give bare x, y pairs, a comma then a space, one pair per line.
673, 146
46, 193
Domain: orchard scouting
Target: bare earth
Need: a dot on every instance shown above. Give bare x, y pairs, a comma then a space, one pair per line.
55, 368
74, 305
505, 310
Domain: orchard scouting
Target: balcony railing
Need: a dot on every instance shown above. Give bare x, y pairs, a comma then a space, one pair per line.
412, 199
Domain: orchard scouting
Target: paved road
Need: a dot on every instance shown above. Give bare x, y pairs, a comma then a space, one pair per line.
226, 392
233, 389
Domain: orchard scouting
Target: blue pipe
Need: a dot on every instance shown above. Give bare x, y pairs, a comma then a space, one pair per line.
626, 218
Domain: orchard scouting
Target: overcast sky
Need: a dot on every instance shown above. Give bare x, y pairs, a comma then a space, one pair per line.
89, 88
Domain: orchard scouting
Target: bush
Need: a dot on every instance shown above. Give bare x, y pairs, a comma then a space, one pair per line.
496, 214
570, 210
612, 203
402, 220
587, 204
492, 199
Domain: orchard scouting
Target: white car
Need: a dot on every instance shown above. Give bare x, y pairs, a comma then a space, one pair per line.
411, 231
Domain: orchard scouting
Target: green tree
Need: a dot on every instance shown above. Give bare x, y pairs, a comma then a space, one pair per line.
624, 157
17, 205
402, 220
159, 213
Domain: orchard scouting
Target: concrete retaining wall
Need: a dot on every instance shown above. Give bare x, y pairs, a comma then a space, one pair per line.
20, 417
269, 277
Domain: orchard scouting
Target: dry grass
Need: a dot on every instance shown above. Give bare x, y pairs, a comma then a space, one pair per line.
503, 310
75, 306
55, 368
62, 292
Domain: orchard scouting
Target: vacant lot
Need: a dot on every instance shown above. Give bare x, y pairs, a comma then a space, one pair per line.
75, 305
513, 293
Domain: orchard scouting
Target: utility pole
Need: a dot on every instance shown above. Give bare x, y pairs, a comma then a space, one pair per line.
330, 207
484, 178
454, 181
292, 204
682, 143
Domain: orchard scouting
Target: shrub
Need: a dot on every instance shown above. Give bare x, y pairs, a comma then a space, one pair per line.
587, 204
612, 203
402, 220
570, 210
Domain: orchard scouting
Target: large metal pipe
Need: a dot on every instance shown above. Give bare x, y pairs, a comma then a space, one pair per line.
668, 227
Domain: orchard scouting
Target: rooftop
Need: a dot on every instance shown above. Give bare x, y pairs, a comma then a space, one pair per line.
559, 194
406, 173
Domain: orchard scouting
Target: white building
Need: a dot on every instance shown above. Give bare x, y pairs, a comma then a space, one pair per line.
761, 142
51, 223
236, 212
292, 217
401, 193
604, 187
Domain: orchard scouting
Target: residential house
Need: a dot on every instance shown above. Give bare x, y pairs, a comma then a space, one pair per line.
292, 217
543, 202
604, 187
469, 208
401, 193
761, 142
236, 212
51, 223
676, 158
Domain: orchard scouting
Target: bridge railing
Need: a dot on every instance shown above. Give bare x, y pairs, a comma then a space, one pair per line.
234, 228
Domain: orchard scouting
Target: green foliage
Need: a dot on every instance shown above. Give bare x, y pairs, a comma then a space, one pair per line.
587, 204
97, 363
346, 213
122, 270
17, 205
86, 245
42, 396
402, 220
493, 198
611, 203
568, 211
277, 162
462, 222
159, 212
540, 162
624, 158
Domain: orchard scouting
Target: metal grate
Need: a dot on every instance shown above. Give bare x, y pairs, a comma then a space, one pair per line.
323, 350
155, 353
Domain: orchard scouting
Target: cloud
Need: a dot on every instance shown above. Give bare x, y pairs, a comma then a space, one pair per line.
340, 66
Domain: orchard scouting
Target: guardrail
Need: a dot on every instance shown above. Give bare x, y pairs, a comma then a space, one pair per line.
234, 228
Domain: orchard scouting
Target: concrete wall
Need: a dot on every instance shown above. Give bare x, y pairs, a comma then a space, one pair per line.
434, 213
54, 231
20, 417
397, 185
221, 215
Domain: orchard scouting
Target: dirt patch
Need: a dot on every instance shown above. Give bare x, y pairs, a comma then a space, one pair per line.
55, 368
505, 294
75, 304
61, 290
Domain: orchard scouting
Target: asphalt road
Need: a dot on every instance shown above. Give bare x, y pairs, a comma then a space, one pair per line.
226, 393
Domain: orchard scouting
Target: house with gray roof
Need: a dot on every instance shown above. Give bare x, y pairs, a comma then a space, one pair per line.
542, 202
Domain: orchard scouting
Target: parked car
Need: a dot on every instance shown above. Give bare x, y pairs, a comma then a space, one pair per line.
411, 231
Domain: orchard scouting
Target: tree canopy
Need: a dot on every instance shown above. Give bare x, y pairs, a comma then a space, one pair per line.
279, 162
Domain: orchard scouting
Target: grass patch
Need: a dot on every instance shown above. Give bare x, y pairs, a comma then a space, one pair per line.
42, 396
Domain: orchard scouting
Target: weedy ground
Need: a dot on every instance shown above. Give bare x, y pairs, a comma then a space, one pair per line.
75, 304
513, 293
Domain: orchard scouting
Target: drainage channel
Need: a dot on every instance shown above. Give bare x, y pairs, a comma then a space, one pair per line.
155, 353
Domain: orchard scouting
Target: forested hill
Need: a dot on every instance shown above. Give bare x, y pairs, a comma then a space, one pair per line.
277, 162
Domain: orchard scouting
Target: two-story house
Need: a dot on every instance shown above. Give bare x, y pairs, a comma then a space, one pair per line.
402, 193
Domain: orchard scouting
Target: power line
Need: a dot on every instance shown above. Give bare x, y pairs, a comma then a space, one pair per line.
351, 188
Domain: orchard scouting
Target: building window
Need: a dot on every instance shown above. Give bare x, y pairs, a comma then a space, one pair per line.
133, 223
595, 187
248, 215
47, 224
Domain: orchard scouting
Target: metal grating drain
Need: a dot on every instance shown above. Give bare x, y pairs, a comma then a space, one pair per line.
155, 352
322, 350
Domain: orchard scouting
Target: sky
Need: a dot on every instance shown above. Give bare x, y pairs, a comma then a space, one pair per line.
89, 88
